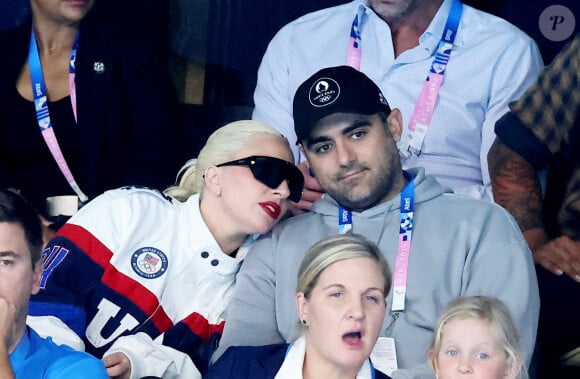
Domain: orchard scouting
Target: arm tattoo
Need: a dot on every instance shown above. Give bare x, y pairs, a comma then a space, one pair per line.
515, 186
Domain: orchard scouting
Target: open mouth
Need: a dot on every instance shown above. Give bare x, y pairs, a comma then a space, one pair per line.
352, 338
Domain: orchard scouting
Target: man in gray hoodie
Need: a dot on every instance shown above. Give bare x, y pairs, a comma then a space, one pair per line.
439, 244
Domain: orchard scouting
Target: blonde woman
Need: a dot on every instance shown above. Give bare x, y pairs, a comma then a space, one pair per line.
143, 277
343, 282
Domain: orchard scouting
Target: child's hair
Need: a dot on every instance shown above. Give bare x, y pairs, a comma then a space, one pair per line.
220, 147
500, 321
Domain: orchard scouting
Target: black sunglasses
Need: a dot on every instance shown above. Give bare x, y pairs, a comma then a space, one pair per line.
272, 171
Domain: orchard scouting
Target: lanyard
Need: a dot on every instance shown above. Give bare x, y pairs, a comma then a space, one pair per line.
354, 43
412, 138
344, 220
42, 113
404, 247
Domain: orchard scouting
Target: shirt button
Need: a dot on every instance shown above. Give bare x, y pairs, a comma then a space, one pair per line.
204, 254
215, 262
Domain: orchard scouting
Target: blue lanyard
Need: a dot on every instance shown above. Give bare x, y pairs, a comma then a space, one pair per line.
344, 220
404, 247
42, 113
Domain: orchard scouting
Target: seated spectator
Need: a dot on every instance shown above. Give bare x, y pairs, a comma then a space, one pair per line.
441, 245
476, 337
85, 106
23, 353
343, 282
542, 130
398, 44
144, 278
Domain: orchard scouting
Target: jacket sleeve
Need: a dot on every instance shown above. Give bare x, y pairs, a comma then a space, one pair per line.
150, 357
61, 334
542, 121
251, 313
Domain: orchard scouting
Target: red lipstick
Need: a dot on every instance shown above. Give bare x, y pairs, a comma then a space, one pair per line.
271, 208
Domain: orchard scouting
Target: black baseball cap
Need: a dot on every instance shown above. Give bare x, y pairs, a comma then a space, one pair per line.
333, 90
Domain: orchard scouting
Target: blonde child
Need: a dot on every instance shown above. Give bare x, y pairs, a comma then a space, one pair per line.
476, 338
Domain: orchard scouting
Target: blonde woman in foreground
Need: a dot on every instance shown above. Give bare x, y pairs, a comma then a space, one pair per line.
476, 338
343, 282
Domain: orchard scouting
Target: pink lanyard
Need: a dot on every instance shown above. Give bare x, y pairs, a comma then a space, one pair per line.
412, 138
42, 112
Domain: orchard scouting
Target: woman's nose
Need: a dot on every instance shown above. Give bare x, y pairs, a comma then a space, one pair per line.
283, 190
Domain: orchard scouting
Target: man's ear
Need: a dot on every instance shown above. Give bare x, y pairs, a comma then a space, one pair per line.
395, 124
302, 150
211, 178
36, 276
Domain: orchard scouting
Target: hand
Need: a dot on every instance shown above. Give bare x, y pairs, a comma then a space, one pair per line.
7, 320
312, 192
118, 366
560, 255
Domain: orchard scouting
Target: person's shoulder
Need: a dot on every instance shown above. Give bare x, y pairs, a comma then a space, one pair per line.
126, 205
248, 361
136, 194
490, 27
478, 211
297, 225
63, 362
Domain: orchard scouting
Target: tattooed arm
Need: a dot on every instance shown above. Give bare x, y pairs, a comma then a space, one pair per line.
516, 187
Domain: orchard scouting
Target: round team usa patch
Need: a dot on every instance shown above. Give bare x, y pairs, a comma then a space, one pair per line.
149, 262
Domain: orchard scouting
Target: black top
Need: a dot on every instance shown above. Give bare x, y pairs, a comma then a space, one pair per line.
32, 168
126, 133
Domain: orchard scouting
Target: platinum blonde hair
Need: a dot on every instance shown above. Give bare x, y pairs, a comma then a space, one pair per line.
500, 321
221, 146
334, 249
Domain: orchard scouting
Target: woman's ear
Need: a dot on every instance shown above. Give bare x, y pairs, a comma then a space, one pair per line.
302, 306
211, 178
395, 123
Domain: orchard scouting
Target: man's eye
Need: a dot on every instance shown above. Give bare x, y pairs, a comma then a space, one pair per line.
358, 135
323, 148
